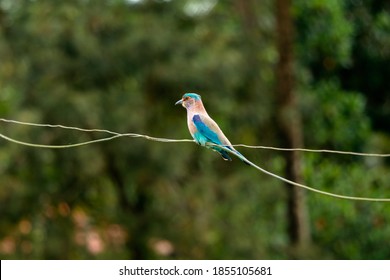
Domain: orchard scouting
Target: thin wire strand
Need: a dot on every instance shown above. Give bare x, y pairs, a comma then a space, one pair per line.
60, 126
313, 150
169, 140
117, 135
301, 185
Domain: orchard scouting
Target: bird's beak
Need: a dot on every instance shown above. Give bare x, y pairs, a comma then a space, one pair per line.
179, 102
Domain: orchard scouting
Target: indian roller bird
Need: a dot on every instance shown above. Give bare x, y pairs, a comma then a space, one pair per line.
203, 128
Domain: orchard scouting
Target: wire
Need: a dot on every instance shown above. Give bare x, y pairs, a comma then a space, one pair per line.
301, 185
115, 135
313, 151
166, 140
161, 140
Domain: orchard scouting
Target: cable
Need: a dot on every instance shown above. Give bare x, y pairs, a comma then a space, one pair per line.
166, 140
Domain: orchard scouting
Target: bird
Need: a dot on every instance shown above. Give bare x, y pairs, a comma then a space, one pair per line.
203, 128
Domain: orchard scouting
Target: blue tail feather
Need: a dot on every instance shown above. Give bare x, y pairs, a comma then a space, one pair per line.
225, 155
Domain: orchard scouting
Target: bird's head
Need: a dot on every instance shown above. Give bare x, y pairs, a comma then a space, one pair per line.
189, 100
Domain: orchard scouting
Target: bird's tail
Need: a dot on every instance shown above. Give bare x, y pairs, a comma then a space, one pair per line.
225, 155
242, 158
224, 150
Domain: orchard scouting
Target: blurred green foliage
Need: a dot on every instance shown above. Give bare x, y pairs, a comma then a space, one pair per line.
121, 65
341, 124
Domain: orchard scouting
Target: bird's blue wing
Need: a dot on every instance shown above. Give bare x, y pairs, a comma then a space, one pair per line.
208, 131
205, 130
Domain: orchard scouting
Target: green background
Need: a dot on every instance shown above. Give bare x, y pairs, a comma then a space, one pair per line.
121, 65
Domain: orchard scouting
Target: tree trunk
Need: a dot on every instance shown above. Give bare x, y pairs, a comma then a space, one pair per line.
290, 125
